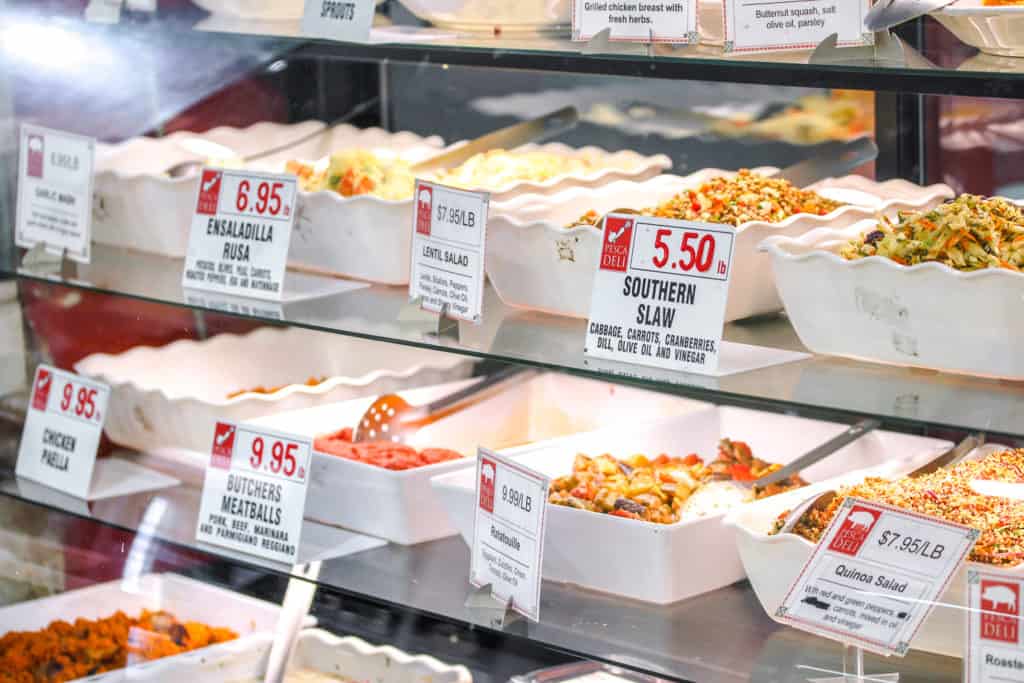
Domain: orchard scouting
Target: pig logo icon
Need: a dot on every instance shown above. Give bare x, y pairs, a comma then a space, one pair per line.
424, 209
1000, 615
35, 156
861, 520
854, 530
487, 474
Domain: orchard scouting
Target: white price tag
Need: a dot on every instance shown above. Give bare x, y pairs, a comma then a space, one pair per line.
62, 430
55, 192
995, 652
346, 20
240, 233
254, 494
508, 532
660, 21
758, 26
875, 576
449, 236
660, 292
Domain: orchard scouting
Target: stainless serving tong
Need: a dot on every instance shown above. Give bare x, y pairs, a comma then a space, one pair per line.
885, 14
945, 459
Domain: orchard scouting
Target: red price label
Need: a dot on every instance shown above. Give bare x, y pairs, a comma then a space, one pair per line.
79, 401
264, 200
277, 457
683, 250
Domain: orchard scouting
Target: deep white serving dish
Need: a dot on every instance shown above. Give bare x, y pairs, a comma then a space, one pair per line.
172, 396
772, 563
994, 30
186, 599
874, 309
401, 506
534, 262
349, 658
661, 563
495, 17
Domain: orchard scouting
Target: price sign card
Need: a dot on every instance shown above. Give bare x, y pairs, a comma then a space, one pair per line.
62, 430
660, 21
757, 26
449, 235
875, 576
240, 232
508, 532
254, 494
995, 652
55, 192
347, 20
660, 292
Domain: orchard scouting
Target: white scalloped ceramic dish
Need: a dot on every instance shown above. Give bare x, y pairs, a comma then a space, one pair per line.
495, 16
772, 563
349, 658
172, 396
130, 183
535, 263
874, 309
664, 563
994, 30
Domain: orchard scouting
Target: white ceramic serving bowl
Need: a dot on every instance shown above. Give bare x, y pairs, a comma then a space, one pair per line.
130, 183
543, 407
874, 309
188, 600
772, 563
535, 263
348, 658
495, 16
661, 563
994, 30
172, 396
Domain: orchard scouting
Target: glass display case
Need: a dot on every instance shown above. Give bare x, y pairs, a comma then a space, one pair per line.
733, 253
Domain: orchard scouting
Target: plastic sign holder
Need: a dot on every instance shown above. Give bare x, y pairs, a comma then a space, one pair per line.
874, 577
507, 549
54, 207
254, 493
240, 233
660, 293
449, 241
794, 25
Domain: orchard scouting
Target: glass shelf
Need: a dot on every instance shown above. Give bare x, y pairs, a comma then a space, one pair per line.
684, 640
818, 385
941, 65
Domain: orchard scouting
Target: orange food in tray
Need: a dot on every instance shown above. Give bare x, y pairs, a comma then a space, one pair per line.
386, 454
64, 651
1000, 3
311, 382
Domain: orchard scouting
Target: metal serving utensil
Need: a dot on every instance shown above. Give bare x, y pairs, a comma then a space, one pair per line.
945, 459
392, 418
510, 137
836, 159
888, 13
848, 436
190, 166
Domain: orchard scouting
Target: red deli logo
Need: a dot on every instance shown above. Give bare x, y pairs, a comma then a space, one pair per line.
618, 235
487, 471
223, 445
854, 530
1000, 611
35, 156
41, 392
209, 192
424, 209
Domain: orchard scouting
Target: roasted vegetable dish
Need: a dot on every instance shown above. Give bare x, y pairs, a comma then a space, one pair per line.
658, 490
948, 494
968, 233
357, 172
64, 651
735, 200
386, 454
